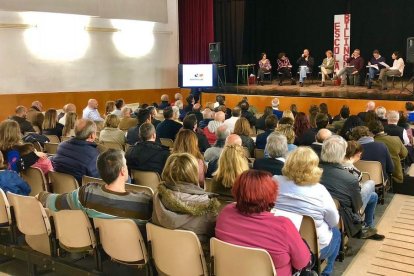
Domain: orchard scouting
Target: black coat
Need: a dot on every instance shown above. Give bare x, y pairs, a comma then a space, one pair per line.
271, 165
250, 117
25, 126
147, 156
168, 129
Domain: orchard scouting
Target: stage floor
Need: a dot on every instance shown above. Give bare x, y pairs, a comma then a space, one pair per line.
313, 90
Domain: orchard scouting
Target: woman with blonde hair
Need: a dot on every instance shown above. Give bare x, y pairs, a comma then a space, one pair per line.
50, 124
186, 141
288, 114
287, 130
231, 164
242, 128
69, 128
180, 203
300, 192
111, 132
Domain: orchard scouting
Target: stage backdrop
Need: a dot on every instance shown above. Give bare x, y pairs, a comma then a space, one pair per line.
342, 39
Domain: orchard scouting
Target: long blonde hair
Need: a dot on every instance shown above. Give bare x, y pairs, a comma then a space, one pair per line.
231, 164
302, 167
50, 120
288, 131
180, 167
10, 135
187, 141
69, 123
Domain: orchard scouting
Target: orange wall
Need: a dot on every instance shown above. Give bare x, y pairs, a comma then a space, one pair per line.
59, 99
303, 103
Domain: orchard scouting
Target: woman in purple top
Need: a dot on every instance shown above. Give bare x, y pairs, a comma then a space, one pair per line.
249, 222
264, 67
284, 69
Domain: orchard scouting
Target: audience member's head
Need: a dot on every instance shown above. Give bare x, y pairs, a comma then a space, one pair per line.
85, 130
219, 116
38, 105
70, 122
119, 103
302, 167
276, 145
111, 121
323, 108
352, 122
333, 149
221, 108
152, 110
267, 111
92, 104
370, 116
190, 122
197, 107
164, 98
179, 104
393, 117
222, 132
275, 103
221, 99
301, 124
271, 122
370, 105
180, 168
190, 99
294, 109
234, 139
176, 113
187, 141
381, 112
21, 111
313, 111
112, 166
288, 114
322, 135
244, 106
50, 120
286, 121
178, 96
168, 113
288, 131
126, 112
207, 114
147, 132
409, 106
375, 127
360, 132
236, 112
321, 120
353, 151
242, 127
345, 112
10, 134
144, 116
255, 192
232, 163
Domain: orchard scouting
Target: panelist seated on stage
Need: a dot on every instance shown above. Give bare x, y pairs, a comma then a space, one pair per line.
354, 66
374, 66
284, 69
327, 66
305, 63
264, 67
397, 69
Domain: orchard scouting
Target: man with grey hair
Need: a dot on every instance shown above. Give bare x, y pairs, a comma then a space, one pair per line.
392, 129
210, 130
370, 106
321, 136
344, 187
78, 155
214, 152
276, 150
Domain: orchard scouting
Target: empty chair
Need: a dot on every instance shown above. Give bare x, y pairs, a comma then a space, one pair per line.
176, 252
50, 148
307, 231
36, 180
62, 183
5, 214
167, 142
53, 139
123, 242
32, 221
149, 179
74, 231
233, 260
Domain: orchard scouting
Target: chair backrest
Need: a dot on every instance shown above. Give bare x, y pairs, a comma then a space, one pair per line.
5, 215
65, 138
89, 179
36, 180
167, 142
228, 260
208, 182
53, 139
111, 145
258, 153
122, 240
373, 168
62, 182
37, 146
50, 148
307, 231
73, 230
149, 179
176, 252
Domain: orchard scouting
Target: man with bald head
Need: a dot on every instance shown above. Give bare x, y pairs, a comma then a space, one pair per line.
70, 107
91, 111
210, 130
20, 117
321, 136
370, 106
78, 155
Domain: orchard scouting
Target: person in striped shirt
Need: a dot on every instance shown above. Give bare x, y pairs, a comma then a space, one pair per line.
284, 68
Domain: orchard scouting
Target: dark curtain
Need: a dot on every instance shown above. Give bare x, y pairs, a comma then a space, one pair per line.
229, 20
196, 30
290, 26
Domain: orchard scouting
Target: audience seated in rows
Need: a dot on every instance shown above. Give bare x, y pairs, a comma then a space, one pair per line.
287, 131
91, 112
210, 130
168, 128
69, 127
105, 201
34, 114
164, 102
119, 104
275, 108
50, 124
339, 120
239, 223
214, 152
153, 113
321, 136
370, 106
245, 113
261, 122
352, 122
232, 139
300, 192
308, 137
242, 128
78, 155
221, 101
20, 118
381, 113
143, 116
127, 121
190, 122
270, 126
231, 122
111, 132
276, 151
66, 109
393, 129
301, 126
197, 112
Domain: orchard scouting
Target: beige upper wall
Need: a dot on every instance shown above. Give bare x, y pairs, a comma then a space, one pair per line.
102, 67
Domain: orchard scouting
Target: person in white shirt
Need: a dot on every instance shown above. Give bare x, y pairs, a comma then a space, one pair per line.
235, 115
91, 111
119, 104
70, 107
397, 69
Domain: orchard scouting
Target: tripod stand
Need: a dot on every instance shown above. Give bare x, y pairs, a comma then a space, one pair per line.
411, 81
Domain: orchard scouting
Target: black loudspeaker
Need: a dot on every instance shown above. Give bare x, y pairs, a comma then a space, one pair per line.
214, 51
410, 50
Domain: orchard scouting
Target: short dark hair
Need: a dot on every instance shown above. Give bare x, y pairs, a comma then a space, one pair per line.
244, 106
280, 55
168, 112
262, 54
345, 112
409, 106
119, 103
286, 121
143, 115
376, 52
397, 54
359, 132
220, 99
236, 112
109, 164
189, 121
271, 122
353, 148
375, 126
146, 130
189, 99
322, 120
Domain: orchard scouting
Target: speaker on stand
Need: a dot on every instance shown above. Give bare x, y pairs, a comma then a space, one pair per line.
410, 59
214, 52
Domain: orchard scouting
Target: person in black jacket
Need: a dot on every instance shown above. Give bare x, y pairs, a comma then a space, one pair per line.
308, 137
244, 106
168, 128
147, 155
153, 112
276, 148
344, 187
190, 122
305, 63
20, 118
392, 129
143, 116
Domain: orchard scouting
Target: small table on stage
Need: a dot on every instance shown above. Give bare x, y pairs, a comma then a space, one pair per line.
221, 68
244, 70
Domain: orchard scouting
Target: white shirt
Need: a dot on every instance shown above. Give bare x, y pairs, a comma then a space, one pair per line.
398, 65
92, 114
117, 112
63, 120
230, 123
405, 138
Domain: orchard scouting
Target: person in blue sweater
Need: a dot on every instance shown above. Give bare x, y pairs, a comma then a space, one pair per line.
270, 125
10, 181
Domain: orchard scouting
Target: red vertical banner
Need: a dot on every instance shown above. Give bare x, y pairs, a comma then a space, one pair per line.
342, 39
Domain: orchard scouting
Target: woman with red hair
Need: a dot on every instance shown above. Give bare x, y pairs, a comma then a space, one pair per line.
249, 222
300, 126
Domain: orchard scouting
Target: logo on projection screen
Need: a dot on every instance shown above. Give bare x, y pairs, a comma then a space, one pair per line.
197, 75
